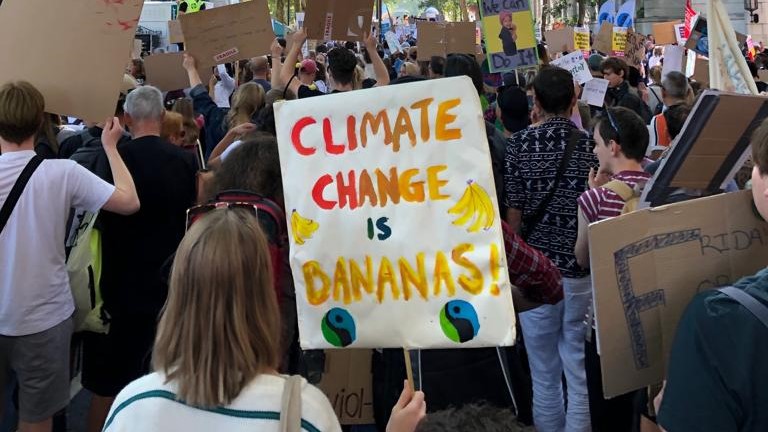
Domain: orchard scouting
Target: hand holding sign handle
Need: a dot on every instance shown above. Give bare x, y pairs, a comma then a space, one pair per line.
409, 410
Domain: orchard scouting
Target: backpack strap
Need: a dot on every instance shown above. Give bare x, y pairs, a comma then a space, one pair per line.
758, 309
18, 188
621, 189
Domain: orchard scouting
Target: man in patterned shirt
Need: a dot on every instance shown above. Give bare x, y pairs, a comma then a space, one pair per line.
554, 334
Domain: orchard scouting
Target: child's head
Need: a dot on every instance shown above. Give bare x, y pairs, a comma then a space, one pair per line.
506, 19
471, 418
619, 133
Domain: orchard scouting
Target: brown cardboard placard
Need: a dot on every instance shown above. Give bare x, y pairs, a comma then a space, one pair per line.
634, 52
664, 32
175, 35
228, 33
762, 75
347, 382
648, 265
165, 71
604, 39
701, 70
91, 39
342, 20
559, 41
443, 38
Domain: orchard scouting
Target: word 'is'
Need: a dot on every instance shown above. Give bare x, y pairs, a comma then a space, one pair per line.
351, 279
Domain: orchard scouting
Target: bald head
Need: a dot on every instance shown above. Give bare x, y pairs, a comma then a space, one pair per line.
259, 67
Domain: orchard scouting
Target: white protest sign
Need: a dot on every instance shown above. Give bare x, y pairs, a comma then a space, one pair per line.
673, 59
680, 34
576, 65
394, 223
690, 63
393, 42
594, 92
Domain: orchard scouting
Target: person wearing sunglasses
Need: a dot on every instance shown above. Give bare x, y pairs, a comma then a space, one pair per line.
217, 349
621, 139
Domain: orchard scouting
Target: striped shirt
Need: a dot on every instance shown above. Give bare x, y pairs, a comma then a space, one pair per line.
601, 203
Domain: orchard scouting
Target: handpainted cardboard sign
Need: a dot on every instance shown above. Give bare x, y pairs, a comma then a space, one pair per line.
228, 33
664, 32
443, 38
634, 52
594, 92
576, 65
165, 71
97, 34
175, 34
348, 384
509, 36
561, 40
395, 228
343, 20
648, 265
619, 41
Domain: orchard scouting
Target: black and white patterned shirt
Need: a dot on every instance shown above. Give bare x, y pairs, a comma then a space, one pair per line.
532, 159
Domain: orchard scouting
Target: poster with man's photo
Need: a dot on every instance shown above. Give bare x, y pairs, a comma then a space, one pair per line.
509, 35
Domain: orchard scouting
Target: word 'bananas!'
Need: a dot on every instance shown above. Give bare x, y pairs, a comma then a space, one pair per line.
302, 228
474, 205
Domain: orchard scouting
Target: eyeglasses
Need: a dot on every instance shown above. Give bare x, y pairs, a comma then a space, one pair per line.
197, 212
612, 120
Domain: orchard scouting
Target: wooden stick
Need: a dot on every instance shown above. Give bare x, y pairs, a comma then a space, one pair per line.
408, 368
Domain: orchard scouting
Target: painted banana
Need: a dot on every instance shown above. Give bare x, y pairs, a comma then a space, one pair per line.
475, 207
302, 228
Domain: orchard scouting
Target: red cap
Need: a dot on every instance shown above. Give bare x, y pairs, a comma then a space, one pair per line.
309, 66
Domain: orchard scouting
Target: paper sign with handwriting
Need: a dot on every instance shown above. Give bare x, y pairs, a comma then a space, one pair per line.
594, 92
228, 33
395, 230
619, 42
576, 65
83, 38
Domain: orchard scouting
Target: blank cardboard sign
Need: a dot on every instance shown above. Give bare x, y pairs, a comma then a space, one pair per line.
228, 33
649, 264
343, 20
561, 40
165, 71
175, 35
441, 39
664, 32
82, 39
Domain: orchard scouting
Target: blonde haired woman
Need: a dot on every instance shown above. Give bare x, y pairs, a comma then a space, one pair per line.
218, 341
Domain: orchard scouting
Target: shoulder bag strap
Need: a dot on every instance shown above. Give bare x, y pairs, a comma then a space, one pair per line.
533, 221
759, 310
621, 189
290, 408
18, 188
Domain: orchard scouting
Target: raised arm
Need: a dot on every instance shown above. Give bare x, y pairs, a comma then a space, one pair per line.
277, 64
382, 75
124, 200
289, 67
190, 64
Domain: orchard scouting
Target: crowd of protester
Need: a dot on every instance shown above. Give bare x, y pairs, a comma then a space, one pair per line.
197, 323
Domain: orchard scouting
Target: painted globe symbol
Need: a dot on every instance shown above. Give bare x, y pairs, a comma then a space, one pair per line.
459, 322
338, 328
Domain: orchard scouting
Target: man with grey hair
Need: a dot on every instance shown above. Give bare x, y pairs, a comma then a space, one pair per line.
675, 90
134, 250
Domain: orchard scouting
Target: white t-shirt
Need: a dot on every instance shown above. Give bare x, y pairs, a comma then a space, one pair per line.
149, 404
34, 285
224, 88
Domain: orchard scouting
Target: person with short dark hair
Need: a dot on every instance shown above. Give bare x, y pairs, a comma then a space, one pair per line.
716, 376
620, 93
471, 418
512, 109
437, 67
621, 139
542, 204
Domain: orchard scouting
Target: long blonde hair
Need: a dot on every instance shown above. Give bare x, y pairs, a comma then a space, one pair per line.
220, 327
246, 102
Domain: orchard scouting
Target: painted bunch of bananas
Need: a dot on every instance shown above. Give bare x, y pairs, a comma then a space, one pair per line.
475, 206
302, 228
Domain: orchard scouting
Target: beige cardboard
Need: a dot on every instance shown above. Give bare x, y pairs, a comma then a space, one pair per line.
443, 38
347, 382
165, 71
342, 20
715, 142
664, 33
604, 40
60, 46
762, 75
175, 35
662, 257
561, 40
228, 33
701, 70
634, 52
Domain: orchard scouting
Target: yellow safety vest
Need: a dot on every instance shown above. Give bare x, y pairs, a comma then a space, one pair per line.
194, 5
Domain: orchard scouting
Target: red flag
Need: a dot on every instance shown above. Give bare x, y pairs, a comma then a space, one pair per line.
689, 14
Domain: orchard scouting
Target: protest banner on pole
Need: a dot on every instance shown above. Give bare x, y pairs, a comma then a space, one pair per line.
228, 33
394, 223
443, 38
82, 38
344, 20
509, 36
649, 264
728, 69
